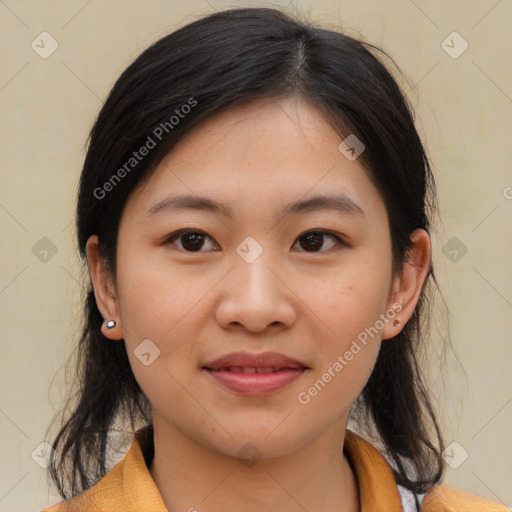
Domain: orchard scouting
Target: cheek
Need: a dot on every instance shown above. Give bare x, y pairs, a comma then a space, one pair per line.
351, 298
349, 306
167, 306
154, 297
346, 350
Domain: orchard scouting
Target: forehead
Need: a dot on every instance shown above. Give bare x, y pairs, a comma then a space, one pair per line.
267, 152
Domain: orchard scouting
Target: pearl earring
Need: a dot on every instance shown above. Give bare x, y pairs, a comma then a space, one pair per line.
396, 323
110, 323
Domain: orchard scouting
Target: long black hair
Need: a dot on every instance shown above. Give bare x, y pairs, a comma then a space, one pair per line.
215, 63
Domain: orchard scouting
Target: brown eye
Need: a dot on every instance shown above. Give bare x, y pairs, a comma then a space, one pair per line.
314, 240
191, 240
195, 240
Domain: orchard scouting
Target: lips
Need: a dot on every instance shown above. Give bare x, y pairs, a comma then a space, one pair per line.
243, 362
249, 369
255, 374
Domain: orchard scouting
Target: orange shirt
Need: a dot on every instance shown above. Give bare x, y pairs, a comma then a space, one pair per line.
129, 487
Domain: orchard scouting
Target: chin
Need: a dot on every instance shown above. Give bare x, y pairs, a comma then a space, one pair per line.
253, 446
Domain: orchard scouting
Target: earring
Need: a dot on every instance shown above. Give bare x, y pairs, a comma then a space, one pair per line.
110, 323
396, 323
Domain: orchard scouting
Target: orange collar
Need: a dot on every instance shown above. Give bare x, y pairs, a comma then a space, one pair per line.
377, 486
129, 485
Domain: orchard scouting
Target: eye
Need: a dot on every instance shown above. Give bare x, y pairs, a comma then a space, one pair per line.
314, 240
192, 240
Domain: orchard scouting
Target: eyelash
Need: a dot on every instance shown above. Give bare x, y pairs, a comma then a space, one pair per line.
177, 234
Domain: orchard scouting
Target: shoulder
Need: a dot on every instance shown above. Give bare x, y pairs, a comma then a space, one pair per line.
127, 487
106, 492
443, 498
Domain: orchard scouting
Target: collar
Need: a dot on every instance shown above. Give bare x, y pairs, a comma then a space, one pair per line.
374, 476
129, 486
377, 487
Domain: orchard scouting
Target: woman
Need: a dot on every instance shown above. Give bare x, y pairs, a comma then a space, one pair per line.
254, 213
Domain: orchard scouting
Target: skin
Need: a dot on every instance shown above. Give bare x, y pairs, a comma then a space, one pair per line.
306, 300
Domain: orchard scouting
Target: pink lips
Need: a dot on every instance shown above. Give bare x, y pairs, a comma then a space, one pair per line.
255, 374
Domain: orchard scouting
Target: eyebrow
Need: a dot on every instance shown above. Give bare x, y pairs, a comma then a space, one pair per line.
339, 203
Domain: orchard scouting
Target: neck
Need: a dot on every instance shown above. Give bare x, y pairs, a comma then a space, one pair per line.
193, 477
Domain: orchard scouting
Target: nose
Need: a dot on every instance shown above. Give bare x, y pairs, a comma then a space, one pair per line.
256, 296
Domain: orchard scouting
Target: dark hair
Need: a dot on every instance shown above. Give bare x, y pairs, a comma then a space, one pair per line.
215, 63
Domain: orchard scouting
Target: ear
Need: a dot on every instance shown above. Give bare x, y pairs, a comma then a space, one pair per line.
407, 286
104, 289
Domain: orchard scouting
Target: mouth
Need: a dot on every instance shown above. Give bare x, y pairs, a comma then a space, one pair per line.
255, 374
251, 369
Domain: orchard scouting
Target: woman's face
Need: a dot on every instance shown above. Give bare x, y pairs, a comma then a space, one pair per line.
258, 278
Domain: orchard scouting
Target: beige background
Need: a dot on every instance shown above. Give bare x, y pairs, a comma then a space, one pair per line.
463, 107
